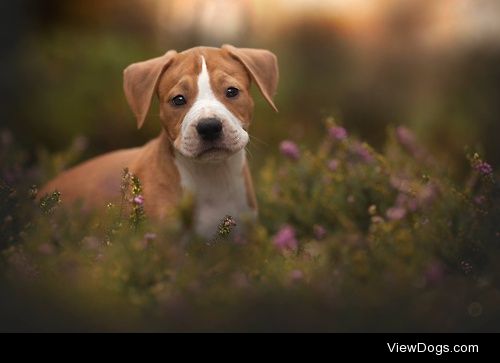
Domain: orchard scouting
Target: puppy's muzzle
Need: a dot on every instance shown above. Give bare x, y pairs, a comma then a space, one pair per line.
209, 129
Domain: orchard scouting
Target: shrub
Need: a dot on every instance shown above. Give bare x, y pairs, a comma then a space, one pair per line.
348, 239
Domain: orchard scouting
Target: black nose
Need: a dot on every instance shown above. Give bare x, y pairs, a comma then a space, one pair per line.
209, 129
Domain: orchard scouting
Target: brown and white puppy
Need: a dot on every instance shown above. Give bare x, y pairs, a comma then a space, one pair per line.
205, 111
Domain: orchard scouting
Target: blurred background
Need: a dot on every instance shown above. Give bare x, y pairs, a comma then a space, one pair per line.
431, 65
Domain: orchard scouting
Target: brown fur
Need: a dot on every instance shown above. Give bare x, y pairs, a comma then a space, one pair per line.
97, 181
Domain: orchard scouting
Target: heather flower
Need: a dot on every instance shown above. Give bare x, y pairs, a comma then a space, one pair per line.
400, 184
406, 201
363, 153
333, 164
131, 190
480, 199
434, 272
483, 168
428, 194
150, 236
405, 137
337, 133
285, 238
319, 232
396, 213
290, 149
147, 239
480, 166
139, 200
296, 275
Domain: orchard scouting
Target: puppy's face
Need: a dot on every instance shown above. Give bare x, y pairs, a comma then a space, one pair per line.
205, 103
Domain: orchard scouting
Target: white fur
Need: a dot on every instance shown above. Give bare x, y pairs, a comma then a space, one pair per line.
218, 189
217, 182
206, 105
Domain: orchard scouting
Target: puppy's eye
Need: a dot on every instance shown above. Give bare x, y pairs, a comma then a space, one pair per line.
179, 100
232, 92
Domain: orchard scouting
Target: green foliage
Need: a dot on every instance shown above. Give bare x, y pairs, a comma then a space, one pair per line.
131, 191
49, 202
348, 239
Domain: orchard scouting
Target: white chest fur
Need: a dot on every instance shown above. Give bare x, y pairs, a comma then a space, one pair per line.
218, 189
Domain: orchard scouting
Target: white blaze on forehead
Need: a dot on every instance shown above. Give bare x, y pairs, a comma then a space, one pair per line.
206, 104
204, 88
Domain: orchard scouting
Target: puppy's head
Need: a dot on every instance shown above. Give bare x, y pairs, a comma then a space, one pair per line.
204, 94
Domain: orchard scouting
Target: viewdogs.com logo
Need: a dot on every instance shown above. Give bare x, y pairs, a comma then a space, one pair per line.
437, 349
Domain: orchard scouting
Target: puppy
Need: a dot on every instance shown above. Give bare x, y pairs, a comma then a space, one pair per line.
205, 112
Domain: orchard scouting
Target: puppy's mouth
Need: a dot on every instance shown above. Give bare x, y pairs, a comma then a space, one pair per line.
214, 149
193, 146
214, 152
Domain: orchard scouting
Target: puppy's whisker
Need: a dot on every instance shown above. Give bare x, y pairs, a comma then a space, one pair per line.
251, 144
248, 152
253, 138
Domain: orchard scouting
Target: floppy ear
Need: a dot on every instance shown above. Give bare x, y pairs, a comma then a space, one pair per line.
262, 65
140, 81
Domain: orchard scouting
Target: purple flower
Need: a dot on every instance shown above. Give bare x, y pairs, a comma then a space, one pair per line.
396, 213
483, 168
290, 149
428, 194
406, 201
405, 136
285, 238
319, 232
363, 153
333, 164
434, 272
407, 139
337, 133
149, 236
139, 200
480, 199
296, 275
